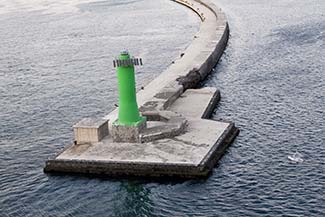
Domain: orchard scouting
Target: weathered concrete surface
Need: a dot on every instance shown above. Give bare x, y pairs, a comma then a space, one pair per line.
191, 154
167, 124
90, 130
121, 133
197, 103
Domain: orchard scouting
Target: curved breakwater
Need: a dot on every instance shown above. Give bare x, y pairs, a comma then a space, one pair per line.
197, 61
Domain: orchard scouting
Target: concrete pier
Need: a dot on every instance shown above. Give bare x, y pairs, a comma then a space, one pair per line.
179, 140
192, 154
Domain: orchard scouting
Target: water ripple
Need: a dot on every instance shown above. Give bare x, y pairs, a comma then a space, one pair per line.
270, 77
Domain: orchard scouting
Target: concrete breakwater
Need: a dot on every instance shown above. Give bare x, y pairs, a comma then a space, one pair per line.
197, 60
179, 140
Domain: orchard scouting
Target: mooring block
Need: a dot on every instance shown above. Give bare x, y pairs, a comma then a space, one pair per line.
90, 130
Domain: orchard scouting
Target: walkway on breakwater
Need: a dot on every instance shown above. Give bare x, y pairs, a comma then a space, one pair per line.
190, 145
200, 57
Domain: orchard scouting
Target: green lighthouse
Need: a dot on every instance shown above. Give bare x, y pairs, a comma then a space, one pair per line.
128, 114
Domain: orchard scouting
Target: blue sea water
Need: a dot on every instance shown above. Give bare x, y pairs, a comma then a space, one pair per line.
56, 68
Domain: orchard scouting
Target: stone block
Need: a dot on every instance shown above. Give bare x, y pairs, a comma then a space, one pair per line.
122, 133
90, 130
167, 130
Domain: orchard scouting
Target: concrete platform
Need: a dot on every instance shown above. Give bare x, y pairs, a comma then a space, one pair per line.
191, 154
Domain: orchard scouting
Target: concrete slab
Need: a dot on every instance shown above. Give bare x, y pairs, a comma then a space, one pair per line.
191, 154
197, 103
189, 148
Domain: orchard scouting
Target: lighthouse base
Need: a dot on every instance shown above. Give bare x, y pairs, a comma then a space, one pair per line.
193, 153
126, 133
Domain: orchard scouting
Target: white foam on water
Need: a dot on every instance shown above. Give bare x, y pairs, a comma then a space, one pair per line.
47, 6
296, 157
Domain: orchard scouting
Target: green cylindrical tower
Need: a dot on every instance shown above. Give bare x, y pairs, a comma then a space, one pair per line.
128, 108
